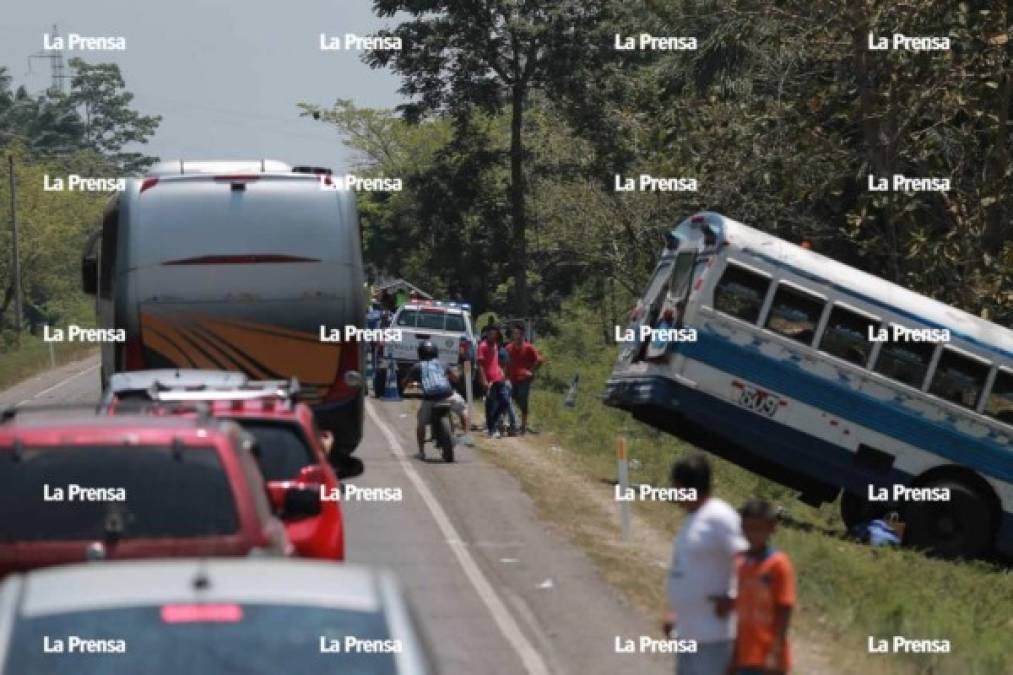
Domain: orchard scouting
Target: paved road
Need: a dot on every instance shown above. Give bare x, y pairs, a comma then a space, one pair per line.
496, 591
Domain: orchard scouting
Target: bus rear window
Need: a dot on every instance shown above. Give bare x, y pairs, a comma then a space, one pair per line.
905, 362
959, 379
847, 336
999, 403
740, 293
795, 314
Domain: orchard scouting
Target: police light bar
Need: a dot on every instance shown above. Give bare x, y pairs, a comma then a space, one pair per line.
465, 306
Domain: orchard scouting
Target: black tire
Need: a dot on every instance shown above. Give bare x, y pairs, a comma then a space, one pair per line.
379, 382
445, 438
856, 509
962, 527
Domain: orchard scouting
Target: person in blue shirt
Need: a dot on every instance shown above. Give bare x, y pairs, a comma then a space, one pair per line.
435, 379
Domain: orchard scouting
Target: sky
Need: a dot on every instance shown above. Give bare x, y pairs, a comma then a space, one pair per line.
225, 76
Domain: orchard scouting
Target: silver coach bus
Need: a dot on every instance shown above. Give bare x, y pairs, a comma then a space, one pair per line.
236, 266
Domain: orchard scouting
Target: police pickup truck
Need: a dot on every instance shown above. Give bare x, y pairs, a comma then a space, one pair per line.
446, 324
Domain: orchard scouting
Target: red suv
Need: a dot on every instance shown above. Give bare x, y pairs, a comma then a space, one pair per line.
77, 487
289, 447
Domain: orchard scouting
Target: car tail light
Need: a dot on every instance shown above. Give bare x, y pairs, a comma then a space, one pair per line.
349, 361
148, 183
218, 613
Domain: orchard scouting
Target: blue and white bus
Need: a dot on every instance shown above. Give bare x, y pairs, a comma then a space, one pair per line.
830, 381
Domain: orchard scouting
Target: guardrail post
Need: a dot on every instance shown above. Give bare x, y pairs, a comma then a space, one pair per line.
624, 481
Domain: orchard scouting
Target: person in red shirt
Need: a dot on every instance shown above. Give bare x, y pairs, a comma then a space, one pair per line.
524, 361
492, 378
766, 596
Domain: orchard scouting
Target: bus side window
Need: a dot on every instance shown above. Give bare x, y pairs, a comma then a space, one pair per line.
905, 362
740, 293
795, 314
958, 378
107, 259
999, 403
847, 336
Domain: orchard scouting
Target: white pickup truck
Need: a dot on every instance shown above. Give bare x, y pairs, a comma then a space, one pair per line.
447, 325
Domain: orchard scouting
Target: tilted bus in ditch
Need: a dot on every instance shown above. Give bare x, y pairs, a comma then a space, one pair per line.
830, 381
236, 266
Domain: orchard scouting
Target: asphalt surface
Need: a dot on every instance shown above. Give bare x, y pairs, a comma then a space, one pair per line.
495, 589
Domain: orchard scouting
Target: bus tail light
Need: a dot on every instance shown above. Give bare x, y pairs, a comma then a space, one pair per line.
348, 362
149, 183
133, 353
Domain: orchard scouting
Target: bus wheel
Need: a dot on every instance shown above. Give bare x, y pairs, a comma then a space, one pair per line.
958, 528
855, 510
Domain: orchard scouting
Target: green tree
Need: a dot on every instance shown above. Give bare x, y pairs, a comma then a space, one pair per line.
461, 56
97, 92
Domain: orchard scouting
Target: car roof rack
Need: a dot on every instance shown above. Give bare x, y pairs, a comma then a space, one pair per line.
101, 409
288, 390
139, 380
133, 406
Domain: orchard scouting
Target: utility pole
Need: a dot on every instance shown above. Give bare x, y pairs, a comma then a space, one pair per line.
14, 246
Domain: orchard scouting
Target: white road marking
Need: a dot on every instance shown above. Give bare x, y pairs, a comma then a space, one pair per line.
533, 662
61, 383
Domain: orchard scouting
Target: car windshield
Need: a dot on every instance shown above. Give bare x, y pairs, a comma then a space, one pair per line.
284, 449
92, 492
433, 319
240, 640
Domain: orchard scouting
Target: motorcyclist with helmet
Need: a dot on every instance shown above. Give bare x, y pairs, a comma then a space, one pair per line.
435, 379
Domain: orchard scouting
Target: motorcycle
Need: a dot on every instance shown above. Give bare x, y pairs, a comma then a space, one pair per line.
441, 430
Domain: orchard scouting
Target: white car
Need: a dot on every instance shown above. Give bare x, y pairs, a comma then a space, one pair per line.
214, 615
446, 324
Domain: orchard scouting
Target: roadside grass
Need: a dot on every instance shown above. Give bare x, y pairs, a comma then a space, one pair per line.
32, 357
848, 592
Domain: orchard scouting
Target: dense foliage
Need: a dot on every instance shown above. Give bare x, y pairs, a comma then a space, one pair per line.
781, 113
53, 135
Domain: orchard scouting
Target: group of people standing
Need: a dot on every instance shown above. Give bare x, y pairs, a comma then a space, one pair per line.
729, 590
505, 372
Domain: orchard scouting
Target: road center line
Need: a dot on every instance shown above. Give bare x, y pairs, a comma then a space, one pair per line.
532, 660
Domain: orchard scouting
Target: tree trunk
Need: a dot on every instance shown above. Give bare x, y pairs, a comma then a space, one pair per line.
519, 253
997, 228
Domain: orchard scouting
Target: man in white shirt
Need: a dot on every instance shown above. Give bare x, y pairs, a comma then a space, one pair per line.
701, 581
